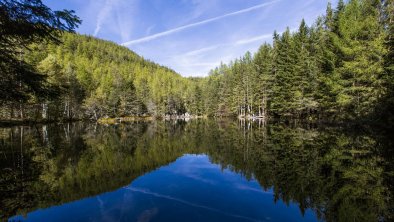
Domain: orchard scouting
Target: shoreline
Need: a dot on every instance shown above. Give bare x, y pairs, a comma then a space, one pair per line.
29, 122
116, 120
361, 125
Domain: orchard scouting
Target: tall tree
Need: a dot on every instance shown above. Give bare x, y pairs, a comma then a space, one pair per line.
23, 22
283, 86
385, 111
361, 69
263, 66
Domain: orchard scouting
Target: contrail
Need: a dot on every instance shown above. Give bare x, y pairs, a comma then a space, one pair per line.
188, 203
168, 32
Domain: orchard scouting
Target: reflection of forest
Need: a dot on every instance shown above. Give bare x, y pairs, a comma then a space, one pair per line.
341, 176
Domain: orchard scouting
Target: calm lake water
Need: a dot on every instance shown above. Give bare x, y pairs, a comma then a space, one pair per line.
200, 170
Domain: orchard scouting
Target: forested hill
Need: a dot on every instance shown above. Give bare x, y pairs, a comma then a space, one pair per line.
98, 78
339, 68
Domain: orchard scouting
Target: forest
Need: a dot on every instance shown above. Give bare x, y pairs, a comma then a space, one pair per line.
340, 68
96, 79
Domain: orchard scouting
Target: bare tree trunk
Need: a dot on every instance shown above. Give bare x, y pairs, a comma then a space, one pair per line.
263, 107
67, 109
21, 113
45, 134
95, 114
260, 110
44, 111
21, 149
12, 111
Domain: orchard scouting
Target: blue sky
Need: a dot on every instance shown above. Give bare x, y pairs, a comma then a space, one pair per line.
190, 36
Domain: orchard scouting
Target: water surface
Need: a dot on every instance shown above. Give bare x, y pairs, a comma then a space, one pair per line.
203, 170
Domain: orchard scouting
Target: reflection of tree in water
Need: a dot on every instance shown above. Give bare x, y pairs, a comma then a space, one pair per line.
340, 176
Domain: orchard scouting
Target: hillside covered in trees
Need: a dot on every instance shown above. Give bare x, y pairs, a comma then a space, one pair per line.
97, 78
339, 68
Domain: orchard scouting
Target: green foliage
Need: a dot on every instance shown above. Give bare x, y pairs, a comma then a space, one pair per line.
23, 22
337, 69
340, 68
99, 78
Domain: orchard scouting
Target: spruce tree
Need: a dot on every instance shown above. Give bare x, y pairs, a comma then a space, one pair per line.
361, 69
283, 88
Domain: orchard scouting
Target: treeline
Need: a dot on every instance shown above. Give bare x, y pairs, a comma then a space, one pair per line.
339, 68
48, 73
95, 78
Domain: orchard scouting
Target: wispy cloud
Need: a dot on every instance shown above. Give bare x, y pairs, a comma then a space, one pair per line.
149, 29
171, 31
253, 189
237, 43
253, 39
203, 50
103, 15
190, 44
211, 64
206, 58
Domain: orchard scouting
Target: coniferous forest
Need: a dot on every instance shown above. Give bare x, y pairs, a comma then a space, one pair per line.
312, 142
340, 68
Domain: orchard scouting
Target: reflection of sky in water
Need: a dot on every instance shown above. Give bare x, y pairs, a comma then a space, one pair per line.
190, 189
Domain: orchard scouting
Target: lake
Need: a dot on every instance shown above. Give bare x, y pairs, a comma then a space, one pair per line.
198, 170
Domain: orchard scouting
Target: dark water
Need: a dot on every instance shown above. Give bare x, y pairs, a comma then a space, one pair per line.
201, 170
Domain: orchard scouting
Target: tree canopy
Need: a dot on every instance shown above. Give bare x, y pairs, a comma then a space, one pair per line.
23, 22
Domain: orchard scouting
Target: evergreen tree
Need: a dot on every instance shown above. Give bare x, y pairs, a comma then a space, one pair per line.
385, 110
339, 68
263, 66
360, 70
283, 88
22, 23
